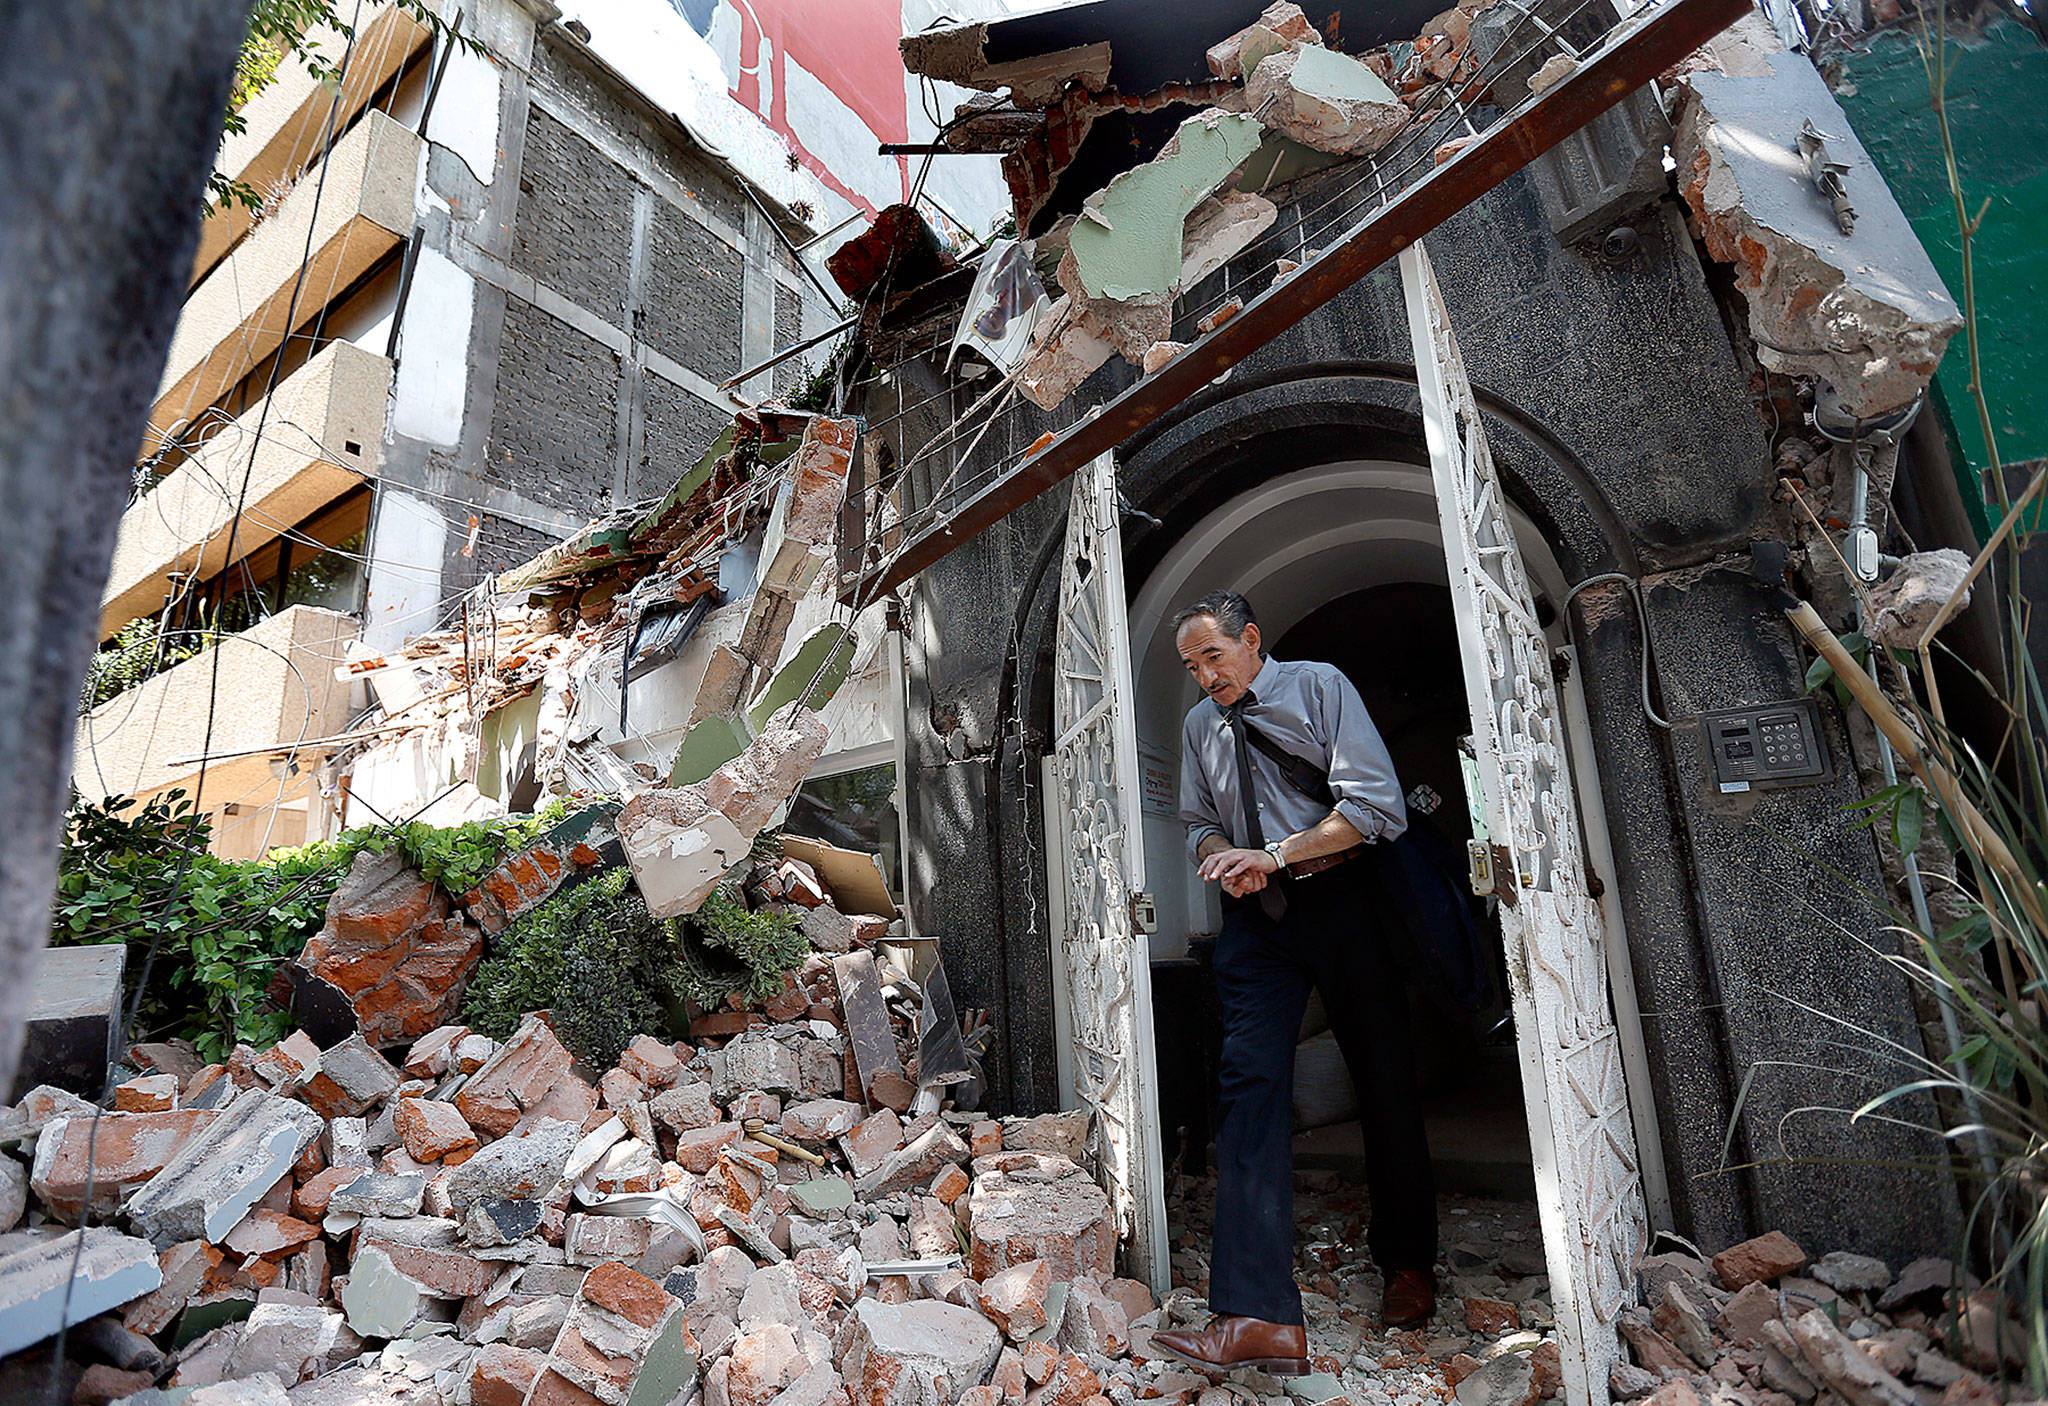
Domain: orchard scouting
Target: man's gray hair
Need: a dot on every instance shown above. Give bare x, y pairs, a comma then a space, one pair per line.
1231, 612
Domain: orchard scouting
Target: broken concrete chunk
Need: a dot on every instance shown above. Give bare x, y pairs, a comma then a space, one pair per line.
1014, 1298
1065, 1222
1280, 28
1325, 100
39, 1292
219, 1175
1064, 1134
917, 1354
915, 1164
1127, 245
351, 1078
379, 1194
1868, 314
283, 1340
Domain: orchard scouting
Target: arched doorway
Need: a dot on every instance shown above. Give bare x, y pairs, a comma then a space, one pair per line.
1295, 544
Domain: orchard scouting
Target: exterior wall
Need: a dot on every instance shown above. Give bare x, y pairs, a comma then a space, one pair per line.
1625, 428
303, 462
575, 308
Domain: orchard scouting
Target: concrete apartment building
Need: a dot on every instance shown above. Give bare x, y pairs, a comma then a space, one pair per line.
523, 285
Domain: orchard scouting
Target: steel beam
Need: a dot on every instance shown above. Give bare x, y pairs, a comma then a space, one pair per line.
1626, 61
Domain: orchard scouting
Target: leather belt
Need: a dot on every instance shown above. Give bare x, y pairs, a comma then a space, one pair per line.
1301, 869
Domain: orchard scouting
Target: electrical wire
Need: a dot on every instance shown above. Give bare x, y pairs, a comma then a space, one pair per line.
1635, 591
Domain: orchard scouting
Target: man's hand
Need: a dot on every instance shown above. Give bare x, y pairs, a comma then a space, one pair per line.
1240, 871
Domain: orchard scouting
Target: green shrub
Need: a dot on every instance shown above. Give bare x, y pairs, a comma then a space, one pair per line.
608, 970
223, 927
591, 954
731, 950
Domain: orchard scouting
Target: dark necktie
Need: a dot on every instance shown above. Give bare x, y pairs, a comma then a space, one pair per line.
1270, 897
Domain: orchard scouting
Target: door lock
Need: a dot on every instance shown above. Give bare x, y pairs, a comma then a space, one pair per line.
1144, 914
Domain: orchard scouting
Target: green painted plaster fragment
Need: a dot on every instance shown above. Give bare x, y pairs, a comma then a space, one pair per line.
1259, 43
1325, 73
830, 648
669, 1365
706, 747
380, 1302
1278, 160
1133, 249
821, 1196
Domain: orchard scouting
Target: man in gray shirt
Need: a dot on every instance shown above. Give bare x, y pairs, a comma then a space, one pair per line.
1290, 801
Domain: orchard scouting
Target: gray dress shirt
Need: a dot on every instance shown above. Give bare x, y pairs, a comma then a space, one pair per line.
1312, 711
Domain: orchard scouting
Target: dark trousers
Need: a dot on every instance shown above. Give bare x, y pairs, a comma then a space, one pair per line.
1335, 936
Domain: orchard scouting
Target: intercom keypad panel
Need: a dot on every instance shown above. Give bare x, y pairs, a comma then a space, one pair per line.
1776, 744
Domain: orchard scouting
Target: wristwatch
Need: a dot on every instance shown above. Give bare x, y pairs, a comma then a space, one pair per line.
1279, 860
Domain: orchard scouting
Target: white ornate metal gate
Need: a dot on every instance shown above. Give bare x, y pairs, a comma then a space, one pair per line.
1105, 960
1588, 1182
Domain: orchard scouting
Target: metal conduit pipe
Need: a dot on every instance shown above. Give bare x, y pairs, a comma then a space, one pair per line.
1916, 887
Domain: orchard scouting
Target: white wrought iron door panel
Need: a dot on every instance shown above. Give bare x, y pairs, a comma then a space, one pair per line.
1589, 1183
1106, 962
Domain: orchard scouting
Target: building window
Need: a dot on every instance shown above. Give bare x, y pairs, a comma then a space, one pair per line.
854, 810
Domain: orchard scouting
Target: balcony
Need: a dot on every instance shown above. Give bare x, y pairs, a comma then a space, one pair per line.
237, 315
276, 687
286, 122
322, 436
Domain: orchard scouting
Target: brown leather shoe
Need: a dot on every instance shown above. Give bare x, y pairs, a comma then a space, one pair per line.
1410, 1298
1230, 1341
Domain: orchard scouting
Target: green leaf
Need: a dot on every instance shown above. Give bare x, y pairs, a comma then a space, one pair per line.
1818, 672
1907, 820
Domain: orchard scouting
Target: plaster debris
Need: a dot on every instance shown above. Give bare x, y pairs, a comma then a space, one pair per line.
111, 1269
1281, 26
1864, 312
1325, 100
217, 1177
1906, 602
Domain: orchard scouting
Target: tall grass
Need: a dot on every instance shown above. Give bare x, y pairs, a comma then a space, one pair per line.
1989, 797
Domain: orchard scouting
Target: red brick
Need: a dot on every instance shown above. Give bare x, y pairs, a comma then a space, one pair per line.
1765, 1258
126, 1151
264, 1232
530, 1075
432, 1130
503, 1374
628, 1293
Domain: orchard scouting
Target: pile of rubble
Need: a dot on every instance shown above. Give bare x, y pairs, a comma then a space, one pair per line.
719, 585
1761, 1326
780, 1209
